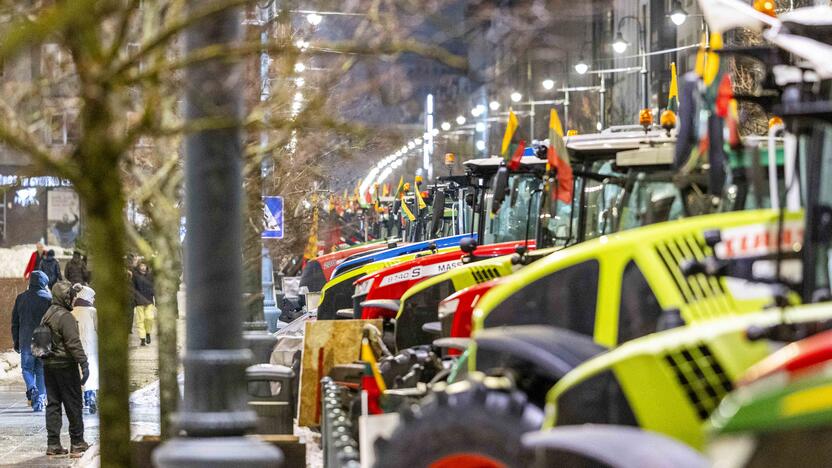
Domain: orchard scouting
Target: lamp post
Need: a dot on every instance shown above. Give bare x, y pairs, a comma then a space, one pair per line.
620, 45
215, 415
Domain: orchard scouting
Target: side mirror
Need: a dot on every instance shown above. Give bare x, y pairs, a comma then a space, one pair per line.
468, 245
500, 188
438, 211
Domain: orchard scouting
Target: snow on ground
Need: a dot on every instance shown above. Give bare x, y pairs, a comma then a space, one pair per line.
13, 260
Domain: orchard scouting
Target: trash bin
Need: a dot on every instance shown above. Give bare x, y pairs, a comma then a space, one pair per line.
272, 396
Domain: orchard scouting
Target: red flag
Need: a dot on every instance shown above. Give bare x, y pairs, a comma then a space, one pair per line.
514, 163
724, 94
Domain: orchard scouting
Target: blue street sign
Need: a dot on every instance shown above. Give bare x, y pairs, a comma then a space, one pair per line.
273, 216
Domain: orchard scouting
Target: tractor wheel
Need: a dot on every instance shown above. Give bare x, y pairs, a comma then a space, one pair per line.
472, 427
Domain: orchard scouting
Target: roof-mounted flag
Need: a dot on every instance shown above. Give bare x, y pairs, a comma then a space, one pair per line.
511, 127
558, 159
673, 94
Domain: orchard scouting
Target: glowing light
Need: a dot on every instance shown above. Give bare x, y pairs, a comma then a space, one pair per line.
300, 68
446, 126
493, 105
581, 67
460, 120
548, 84
480, 127
620, 44
480, 145
516, 97
314, 19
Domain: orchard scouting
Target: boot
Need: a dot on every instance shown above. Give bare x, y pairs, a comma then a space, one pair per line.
30, 393
76, 450
90, 402
148, 338
142, 343
39, 403
55, 450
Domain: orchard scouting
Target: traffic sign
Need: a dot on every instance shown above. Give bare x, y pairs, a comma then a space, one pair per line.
273, 217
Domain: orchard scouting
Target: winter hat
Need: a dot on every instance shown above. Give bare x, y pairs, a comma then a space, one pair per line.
84, 293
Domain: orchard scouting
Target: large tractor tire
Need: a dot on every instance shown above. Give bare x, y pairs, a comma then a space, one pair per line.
465, 425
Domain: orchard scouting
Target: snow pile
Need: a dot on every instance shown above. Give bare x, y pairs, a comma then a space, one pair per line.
13, 260
9, 366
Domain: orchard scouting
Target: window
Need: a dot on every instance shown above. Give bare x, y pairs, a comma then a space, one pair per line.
64, 128
566, 299
639, 310
512, 219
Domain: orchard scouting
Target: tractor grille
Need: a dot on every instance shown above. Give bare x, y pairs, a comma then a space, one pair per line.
706, 296
482, 274
702, 378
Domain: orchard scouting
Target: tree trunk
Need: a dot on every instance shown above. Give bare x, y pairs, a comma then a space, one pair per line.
105, 226
167, 282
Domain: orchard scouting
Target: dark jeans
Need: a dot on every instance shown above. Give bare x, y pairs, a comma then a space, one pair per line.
63, 387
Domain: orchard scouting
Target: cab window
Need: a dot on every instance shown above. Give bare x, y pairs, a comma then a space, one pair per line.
512, 219
601, 199
565, 299
639, 310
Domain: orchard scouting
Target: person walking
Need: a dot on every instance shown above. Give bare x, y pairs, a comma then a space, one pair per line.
76, 270
84, 312
145, 300
29, 308
63, 382
35, 259
51, 267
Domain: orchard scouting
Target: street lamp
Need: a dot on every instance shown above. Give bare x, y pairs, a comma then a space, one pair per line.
446, 126
678, 14
480, 145
494, 105
477, 110
548, 84
581, 67
300, 68
620, 44
314, 19
480, 127
516, 97
460, 120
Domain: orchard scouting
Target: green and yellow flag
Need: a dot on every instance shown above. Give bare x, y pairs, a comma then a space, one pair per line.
511, 127
673, 94
399, 188
407, 211
418, 191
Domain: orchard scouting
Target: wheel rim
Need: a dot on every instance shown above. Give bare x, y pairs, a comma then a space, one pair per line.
467, 460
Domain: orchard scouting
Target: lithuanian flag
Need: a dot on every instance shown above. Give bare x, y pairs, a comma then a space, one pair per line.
673, 94
418, 191
407, 211
399, 188
558, 159
511, 127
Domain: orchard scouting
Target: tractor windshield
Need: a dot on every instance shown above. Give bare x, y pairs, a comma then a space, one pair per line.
512, 221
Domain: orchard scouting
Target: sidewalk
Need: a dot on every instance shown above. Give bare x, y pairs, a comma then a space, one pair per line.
23, 433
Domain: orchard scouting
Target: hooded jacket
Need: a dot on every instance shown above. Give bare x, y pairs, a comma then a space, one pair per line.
29, 308
143, 288
76, 271
51, 267
86, 315
66, 341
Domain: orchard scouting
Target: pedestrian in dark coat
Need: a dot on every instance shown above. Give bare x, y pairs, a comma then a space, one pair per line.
63, 381
145, 300
51, 267
28, 311
76, 270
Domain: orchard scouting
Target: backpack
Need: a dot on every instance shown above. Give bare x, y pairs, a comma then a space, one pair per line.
41, 345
